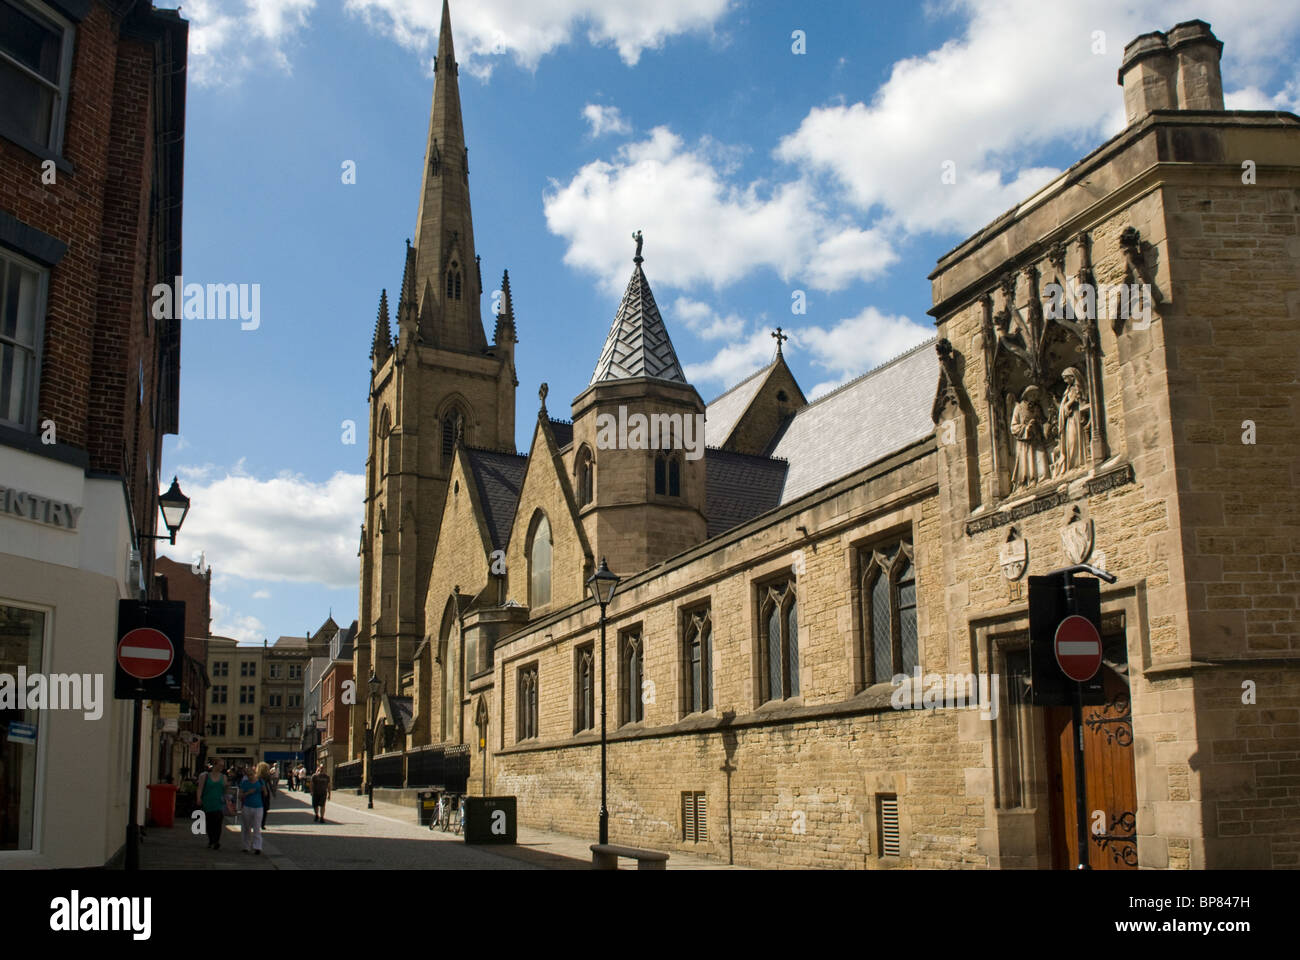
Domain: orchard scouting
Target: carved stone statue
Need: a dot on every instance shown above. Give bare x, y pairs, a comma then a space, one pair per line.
1030, 433
1071, 425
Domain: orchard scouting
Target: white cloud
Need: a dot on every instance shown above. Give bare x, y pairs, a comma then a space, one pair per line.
285, 528
1019, 79
228, 38
699, 229
262, 595
857, 344
227, 623
530, 29
703, 321
605, 120
735, 361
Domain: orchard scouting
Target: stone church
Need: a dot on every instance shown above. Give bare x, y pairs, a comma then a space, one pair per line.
1113, 380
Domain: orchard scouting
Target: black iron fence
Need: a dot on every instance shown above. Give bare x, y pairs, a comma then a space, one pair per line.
456, 774
347, 775
425, 767
388, 770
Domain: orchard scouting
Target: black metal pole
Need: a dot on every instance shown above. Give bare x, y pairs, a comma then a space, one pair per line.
604, 810
370, 767
132, 827
1076, 714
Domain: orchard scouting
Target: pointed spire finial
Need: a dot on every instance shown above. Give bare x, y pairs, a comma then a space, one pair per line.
780, 338
541, 394
639, 240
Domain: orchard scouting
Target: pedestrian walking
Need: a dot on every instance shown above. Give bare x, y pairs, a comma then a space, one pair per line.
320, 792
264, 778
460, 815
250, 790
275, 779
211, 791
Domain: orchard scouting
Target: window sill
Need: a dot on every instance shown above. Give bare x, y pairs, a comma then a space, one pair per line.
61, 162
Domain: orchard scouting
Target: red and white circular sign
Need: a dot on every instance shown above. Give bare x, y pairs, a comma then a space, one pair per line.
145, 653
1078, 648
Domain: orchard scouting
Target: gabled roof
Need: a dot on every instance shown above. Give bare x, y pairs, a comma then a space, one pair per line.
638, 344
499, 477
859, 423
723, 412
739, 487
563, 431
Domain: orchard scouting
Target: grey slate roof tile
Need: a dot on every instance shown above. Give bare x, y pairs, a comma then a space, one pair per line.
500, 477
861, 422
739, 487
723, 412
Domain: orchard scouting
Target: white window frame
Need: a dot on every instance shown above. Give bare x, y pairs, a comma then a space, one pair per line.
42, 737
58, 121
38, 349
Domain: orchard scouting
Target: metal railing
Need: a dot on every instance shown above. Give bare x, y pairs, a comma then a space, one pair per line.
347, 775
425, 767
387, 770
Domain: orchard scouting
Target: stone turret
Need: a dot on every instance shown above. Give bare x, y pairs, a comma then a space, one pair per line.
1174, 71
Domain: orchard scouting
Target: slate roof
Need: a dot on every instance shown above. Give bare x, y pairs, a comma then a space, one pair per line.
861, 422
723, 412
638, 344
500, 477
563, 430
402, 711
739, 487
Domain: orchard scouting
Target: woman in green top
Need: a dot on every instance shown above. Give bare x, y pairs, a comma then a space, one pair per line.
211, 790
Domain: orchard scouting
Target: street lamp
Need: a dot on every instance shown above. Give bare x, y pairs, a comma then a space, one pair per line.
373, 683
602, 586
175, 505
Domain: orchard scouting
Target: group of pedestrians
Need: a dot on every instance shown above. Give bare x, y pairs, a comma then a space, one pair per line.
254, 790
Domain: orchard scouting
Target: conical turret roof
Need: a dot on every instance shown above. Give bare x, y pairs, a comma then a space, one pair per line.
638, 343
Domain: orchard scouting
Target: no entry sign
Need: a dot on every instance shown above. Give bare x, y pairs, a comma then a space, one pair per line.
145, 653
150, 650
1078, 648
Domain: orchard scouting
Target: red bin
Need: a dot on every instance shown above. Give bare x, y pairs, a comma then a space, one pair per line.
162, 803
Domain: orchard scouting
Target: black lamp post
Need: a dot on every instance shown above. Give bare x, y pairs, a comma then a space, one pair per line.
373, 683
602, 586
175, 505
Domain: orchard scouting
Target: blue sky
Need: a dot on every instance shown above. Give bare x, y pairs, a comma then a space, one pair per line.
754, 171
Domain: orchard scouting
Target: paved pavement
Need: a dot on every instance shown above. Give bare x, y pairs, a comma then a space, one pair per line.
354, 838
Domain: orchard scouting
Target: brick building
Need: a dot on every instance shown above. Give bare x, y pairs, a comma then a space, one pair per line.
788, 595
91, 159
183, 750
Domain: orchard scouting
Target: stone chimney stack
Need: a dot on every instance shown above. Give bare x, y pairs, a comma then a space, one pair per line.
1174, 71
1196, 49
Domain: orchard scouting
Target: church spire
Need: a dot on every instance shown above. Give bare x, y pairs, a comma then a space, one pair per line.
383, 342
446, 261
505, 330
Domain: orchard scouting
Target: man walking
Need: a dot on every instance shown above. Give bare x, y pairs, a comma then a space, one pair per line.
320, 792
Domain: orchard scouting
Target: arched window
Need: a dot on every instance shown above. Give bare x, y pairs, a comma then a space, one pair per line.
452, 421
631, 668
779, 641
586, 718
668, 475
385, 428
453, 283
539, 564
526, 703
586, 477
889, 628
698, 662
448, 668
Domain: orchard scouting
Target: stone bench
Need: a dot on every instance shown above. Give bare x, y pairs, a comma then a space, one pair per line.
604, 856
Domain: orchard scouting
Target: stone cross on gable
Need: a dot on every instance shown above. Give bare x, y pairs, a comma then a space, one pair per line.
780, 338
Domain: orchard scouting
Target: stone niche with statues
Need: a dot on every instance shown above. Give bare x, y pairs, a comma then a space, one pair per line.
1043, 376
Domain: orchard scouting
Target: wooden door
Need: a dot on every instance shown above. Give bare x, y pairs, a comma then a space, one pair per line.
1108, 772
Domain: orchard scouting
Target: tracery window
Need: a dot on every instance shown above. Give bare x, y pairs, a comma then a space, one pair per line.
889, 628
